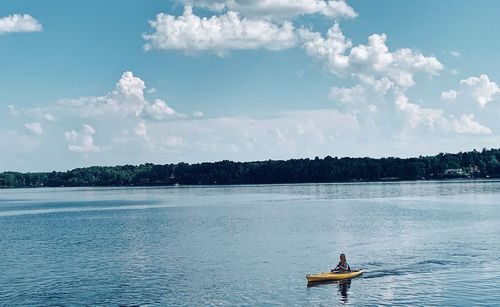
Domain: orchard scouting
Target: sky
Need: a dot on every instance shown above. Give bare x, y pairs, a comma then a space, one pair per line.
128, 82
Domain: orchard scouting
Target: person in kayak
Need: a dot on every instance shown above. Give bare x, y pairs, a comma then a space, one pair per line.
343, 266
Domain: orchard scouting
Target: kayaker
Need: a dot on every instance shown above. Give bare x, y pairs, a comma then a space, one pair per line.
343, 266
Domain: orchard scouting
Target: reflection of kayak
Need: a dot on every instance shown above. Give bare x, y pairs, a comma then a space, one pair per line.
333, 276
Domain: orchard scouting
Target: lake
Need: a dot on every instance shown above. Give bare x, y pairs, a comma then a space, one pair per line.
420, 243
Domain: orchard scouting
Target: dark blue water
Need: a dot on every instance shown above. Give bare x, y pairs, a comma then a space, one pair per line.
423, 243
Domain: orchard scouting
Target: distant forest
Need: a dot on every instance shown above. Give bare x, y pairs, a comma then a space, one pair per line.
473, 164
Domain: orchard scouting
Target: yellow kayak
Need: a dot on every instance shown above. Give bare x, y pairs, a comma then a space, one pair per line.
326, 276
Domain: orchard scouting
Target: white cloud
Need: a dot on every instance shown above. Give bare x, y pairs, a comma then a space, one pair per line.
331, 50
83, 141
130, 86
282, 9
159, 110
19, 23
141, 130
126, 100
364, 96
198, 114
455, 53
349, 95
37, 113
121, 116
15, 145
416, 115
434, 119
449, 95
481, 88
371, 117
35, 128
379, 99
467, 125
191, 34
49, 117
372, 61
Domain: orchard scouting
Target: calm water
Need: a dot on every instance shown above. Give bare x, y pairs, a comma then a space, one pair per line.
424, 243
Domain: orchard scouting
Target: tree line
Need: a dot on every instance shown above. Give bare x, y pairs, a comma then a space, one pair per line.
472, 164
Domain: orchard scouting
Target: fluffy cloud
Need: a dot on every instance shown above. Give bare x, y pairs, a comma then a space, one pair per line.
190, 34
393, 115
37, 113
159, 110
379, 99
283, 9
375, 119
126, 100
331, 50
479, 89
372, 61
467, 124
434, 119
123, 111
449, 95
19, 23
83, 141
35, 128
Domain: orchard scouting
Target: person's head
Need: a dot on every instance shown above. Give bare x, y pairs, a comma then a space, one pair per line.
342, 257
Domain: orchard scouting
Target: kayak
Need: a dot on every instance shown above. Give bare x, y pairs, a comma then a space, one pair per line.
326, 276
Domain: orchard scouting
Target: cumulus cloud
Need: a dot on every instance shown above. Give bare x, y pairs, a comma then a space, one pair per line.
230, 31
467, 124
351, 97
158, 110
392, 114
126, 100
481, 88
133, 130
35, 128
331, 50
37, 113
449, 95
435, 120
83, 141
373, 60
19, 23
122, 112
283, 9
379, 99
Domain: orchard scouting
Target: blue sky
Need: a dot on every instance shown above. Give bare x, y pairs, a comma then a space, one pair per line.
113, 82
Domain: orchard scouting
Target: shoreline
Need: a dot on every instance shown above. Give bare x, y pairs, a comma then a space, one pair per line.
402, 181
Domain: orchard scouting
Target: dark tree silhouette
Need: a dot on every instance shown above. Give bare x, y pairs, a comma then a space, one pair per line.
471, 164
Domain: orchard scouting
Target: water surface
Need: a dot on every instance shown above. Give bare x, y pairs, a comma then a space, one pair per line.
421, 243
